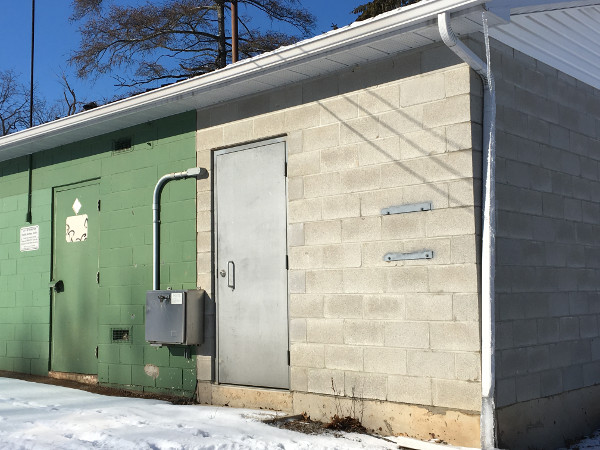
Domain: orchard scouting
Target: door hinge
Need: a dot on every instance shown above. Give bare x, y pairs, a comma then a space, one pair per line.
285, 169
98, 205
288, 357
96, 352
287, 262
97, 277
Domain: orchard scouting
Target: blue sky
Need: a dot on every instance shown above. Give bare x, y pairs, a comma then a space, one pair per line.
56, 37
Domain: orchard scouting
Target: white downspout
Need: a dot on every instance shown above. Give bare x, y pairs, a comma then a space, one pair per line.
488, 409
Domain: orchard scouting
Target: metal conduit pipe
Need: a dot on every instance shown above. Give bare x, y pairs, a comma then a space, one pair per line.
194, 172
488, 410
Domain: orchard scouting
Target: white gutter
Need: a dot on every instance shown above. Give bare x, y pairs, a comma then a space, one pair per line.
488, 409
246, 77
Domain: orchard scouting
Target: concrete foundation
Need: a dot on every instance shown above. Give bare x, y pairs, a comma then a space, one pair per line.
388, 418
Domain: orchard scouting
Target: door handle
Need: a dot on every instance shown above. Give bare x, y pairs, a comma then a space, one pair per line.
57, 286
231, 274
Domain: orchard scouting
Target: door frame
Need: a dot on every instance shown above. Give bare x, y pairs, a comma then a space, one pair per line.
215, 274
55, 189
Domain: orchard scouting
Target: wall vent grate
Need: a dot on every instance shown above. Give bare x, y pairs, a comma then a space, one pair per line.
121, 335
122, 145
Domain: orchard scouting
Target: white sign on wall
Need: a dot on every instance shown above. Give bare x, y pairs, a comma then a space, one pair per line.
30, 238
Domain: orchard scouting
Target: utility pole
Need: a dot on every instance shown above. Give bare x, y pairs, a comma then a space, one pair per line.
234, 31
28, 217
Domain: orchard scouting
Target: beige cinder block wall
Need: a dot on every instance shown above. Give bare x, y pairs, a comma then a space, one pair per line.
403, 337
548, 253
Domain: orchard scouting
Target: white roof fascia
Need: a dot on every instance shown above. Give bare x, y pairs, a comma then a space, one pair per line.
507, 8
246, 75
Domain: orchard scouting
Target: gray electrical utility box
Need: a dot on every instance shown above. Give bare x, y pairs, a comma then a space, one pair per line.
175, 317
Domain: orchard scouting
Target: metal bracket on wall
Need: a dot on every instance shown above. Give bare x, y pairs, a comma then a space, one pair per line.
425, 254
401, 209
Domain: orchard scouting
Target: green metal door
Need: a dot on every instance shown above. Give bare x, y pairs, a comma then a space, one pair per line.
75, 275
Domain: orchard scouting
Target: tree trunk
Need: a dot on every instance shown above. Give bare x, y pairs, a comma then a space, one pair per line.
222, 49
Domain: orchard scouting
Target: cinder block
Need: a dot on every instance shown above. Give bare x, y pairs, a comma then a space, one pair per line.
299, 379
457, 81
385, 307
407, 279
385, 360
458, 336
339, 109
345, 255
430, 364
506, 393
343, 306
452, 221
568, 328
398, 122
451, 110
359, 130
341, 206
307, 355
463, 395
422, 89
454, 278
360, 229
528, 387
339, 158
415, 390
465, 307
326, 381
295, 188
325, 281
403, 226
436, 193
363, 281
407, 334
298, 330
297, 281
343, 357
418, 144
323, 137
371, 203
305, 210
204, 368
209, 138
306, 305
468, 366
525, 332
325, 331
361, 179
306, 257
465, 249
379, 151
295, 235
379, 99
302, 117
588, 326
428, 307
305, 163
269, 124
463, 136
465, 192
365, 385
322, 185
363, 332
329, 232
238, 132
551, 382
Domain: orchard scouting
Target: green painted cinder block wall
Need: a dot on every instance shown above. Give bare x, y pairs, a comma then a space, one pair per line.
127, 181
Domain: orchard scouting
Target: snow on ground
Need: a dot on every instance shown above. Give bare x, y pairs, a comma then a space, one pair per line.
39, 416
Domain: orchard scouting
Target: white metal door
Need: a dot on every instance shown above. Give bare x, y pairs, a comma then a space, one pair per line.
251, 272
